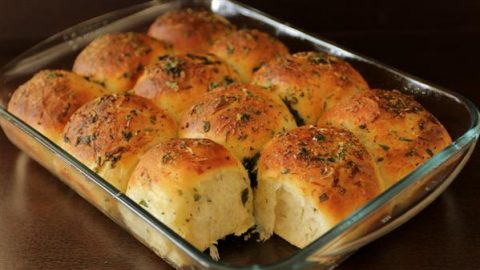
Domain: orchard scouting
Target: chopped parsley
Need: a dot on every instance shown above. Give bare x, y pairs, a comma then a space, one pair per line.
213, 85
318, 59
384, 147
127, 135
143, 203
228, 80
319, 137
244, 117
206, 126
403, 139
172, 85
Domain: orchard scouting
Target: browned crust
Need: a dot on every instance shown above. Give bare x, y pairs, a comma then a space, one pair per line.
190, 30
175, 82
247, 50
49, 98
116, 60
187, 157
310, 82
330, 166
106, 129
238, 116
398, 132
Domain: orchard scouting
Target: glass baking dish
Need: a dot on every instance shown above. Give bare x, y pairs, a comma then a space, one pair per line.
383, 214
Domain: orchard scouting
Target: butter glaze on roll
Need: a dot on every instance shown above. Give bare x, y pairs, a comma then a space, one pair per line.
248, 50
397, 130
109, 134
309, 179
47, 100
190, 31
197, 188
116, 60
174, 83
310, 83
238, 116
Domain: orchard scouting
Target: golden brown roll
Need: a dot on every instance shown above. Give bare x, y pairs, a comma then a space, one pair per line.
46, 102
109, 134
197, 188
239, 116
397, 131
310, 83
174, 83
248, 50
190, 31
309, 179
116, 60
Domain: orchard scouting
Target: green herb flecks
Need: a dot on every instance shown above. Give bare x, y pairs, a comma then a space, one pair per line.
244, 117
318, 59
319, 137
127, 135
213, 85
323, 197
403, 139
384, 147
143, 203
172, 85
171, 66
206, 126
86, 139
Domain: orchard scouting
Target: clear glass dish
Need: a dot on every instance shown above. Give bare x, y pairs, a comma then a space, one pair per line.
383, 214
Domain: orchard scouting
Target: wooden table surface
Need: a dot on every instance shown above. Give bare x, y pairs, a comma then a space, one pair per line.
45, 225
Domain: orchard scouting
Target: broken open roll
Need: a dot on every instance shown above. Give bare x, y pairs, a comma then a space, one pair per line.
309, 179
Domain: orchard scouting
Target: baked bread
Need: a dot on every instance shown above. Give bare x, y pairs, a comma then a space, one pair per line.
247, 50
309, 179
238, 116
397, 131
49, 98
175, 82
109, 134
190, 31
197, 188
46, 102
310, 83
116, 60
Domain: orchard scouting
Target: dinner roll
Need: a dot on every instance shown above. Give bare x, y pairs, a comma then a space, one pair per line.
46, 102
197, 188
309, 179
116, 60
397, 131
174, 83
109, 133
190, 30
239, 116
247, 50
310, 83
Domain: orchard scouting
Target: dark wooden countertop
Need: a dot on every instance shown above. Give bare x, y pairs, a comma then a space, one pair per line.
45, 225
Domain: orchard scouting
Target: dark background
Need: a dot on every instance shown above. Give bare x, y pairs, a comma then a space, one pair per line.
436, 41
